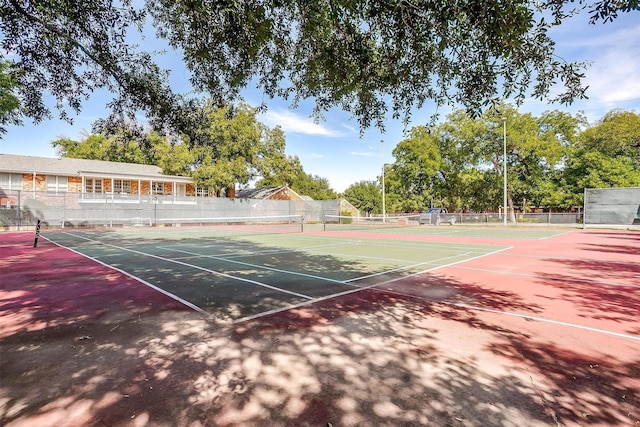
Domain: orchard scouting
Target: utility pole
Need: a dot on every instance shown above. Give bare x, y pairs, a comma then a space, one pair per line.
504, 169
384, 215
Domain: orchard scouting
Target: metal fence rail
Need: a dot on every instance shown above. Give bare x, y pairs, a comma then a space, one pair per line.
546, 218
21, 209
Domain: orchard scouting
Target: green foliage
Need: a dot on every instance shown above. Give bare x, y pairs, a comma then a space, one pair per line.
458, 164
604, 155
278, 169
347, 220
10, 107
617, 134
231, 147
417, 160
237, 148
102, 147
314, 186
364, 57
366, 196
173, 159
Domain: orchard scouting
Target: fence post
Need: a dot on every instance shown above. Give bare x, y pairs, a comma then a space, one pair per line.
584, 210
19, 213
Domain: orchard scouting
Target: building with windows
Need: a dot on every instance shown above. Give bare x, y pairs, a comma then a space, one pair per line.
90, 178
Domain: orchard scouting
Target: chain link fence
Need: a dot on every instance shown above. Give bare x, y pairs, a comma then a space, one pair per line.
21, 209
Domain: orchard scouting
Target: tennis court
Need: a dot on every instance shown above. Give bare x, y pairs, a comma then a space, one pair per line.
288, 323
235, 273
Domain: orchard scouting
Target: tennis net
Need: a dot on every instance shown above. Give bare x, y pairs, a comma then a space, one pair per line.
242, 225
223, 225
343, 222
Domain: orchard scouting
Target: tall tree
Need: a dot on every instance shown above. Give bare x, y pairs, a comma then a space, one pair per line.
413, 174
604, 155
232, 148
10, 106
102, 147
287, 170
366, 196
365, 57
173, 159
616, 134
459, 163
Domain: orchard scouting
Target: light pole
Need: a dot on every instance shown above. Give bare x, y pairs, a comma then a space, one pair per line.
383, 207
504, 169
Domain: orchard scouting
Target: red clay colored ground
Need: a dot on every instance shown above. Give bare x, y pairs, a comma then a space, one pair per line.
543, 334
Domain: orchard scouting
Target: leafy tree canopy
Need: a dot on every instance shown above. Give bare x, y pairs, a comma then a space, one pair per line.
458, 164
616, 134
231, 147
366, 196
366, 57
10, 107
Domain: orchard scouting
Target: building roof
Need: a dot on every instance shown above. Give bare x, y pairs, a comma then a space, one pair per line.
80, 167
258, 193
265, 193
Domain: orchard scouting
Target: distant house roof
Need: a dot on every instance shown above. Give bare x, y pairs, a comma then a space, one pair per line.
265, 193
80, 167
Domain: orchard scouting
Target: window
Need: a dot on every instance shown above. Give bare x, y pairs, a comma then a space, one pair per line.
11, 181
57, 184
202, 192
158, 188
92, 185
121, 186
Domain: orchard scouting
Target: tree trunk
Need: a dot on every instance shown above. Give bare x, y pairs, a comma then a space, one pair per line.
512, 213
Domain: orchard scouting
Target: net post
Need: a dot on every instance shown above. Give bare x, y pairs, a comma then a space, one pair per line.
37, 234
302, 223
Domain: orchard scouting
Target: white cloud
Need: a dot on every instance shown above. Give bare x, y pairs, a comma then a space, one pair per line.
614, 76
291, 122
614, 53
350, 128
362, 153
603, 36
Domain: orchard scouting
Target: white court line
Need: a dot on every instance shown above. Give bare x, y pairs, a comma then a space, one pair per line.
522, 316
553, 322
342, 282
556, 235
555, 258
542, 276
405, 267
313, 301
264, 285
493, 236
423, 244
262, 267
351, 291
144, 282
385, 258
271, 252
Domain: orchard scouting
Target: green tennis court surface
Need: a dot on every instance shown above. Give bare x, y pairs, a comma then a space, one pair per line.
412, 228
235, 277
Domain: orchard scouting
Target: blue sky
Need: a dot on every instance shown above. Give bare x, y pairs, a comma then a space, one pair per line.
333, 148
